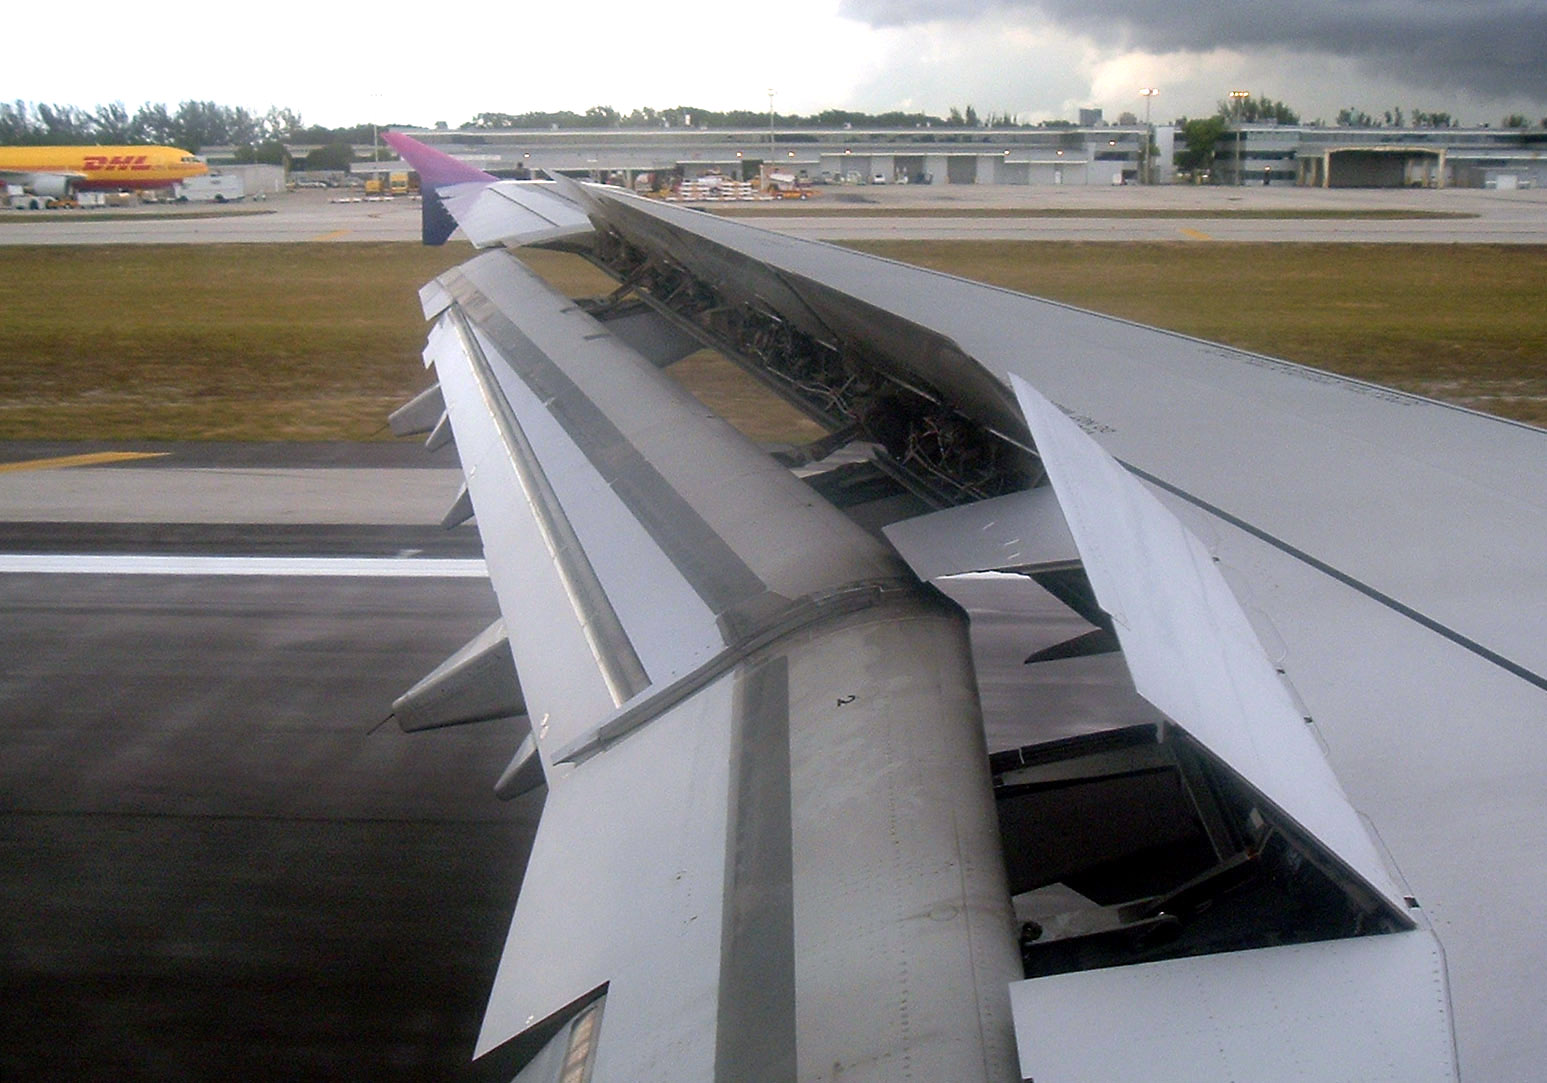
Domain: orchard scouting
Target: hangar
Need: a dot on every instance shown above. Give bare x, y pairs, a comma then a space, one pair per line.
1379, 166
1337, 157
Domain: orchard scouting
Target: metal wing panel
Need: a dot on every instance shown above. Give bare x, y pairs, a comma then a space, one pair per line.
793, 873
1381, 547
669, 458
1391, 547
1019, 530
624, 888
1272, 1015
669, 626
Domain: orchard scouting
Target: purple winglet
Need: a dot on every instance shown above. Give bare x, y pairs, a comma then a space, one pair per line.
435, 168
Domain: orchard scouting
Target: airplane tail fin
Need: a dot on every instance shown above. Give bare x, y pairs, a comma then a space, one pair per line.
437, 170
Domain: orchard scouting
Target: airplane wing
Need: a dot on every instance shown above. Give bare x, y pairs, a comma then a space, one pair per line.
41, 182
1091, 702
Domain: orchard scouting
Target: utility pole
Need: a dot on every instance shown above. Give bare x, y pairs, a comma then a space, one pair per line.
1238, 98
1149, 93
375, 119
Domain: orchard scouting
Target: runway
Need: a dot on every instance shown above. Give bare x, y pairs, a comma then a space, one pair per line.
1127, 213
219, 863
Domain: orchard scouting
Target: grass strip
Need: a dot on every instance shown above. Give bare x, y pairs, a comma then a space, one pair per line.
320, 341
216, 342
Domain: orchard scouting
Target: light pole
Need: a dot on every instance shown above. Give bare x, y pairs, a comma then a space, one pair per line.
375, 118
770, 120
1149, 93
1238, 98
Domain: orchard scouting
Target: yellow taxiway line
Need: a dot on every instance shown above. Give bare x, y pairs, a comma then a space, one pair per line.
331, 235
1196, 234
95, 458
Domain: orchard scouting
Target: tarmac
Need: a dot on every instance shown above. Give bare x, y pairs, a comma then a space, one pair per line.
1044, 213
220, 863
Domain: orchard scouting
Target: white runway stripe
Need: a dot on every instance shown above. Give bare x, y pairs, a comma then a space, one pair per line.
385, 567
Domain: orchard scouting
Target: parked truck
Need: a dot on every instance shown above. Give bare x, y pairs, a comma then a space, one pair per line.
214, 188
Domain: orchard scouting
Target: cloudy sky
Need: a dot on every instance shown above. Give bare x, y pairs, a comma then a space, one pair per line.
1037, 59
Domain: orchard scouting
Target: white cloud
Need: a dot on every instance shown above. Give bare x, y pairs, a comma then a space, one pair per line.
339, 64
995, 64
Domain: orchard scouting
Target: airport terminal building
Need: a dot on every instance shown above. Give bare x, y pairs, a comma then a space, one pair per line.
1098, 155
1092, 155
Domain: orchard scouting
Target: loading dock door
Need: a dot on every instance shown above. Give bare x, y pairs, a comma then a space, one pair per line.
1378, 167
961, 169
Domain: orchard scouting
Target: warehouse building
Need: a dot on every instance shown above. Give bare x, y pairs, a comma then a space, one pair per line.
1382, 157
1101, 155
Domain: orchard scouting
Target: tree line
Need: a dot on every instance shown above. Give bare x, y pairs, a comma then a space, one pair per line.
690, 116
194, 125
191, 125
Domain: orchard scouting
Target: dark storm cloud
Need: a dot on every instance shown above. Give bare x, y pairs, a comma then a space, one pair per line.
1491, 47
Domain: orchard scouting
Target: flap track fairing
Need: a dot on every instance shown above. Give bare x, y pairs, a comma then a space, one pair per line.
475, 684
419, 414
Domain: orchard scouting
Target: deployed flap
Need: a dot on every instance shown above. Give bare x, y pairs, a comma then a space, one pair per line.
475, 684
1188, 644
1021, 531
1368, 1008
419, 414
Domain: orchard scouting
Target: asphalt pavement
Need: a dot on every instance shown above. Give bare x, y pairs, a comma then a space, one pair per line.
1086, 213
219, 863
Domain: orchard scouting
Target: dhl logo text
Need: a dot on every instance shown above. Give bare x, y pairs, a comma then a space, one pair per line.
102, 163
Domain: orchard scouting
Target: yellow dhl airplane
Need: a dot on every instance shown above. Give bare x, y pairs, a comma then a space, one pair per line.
59, 171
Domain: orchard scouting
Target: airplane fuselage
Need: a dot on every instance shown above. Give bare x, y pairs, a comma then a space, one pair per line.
100, 168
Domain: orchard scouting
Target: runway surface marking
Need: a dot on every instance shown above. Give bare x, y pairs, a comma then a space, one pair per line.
332, 235
344, 567
1196, 234
95, 458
